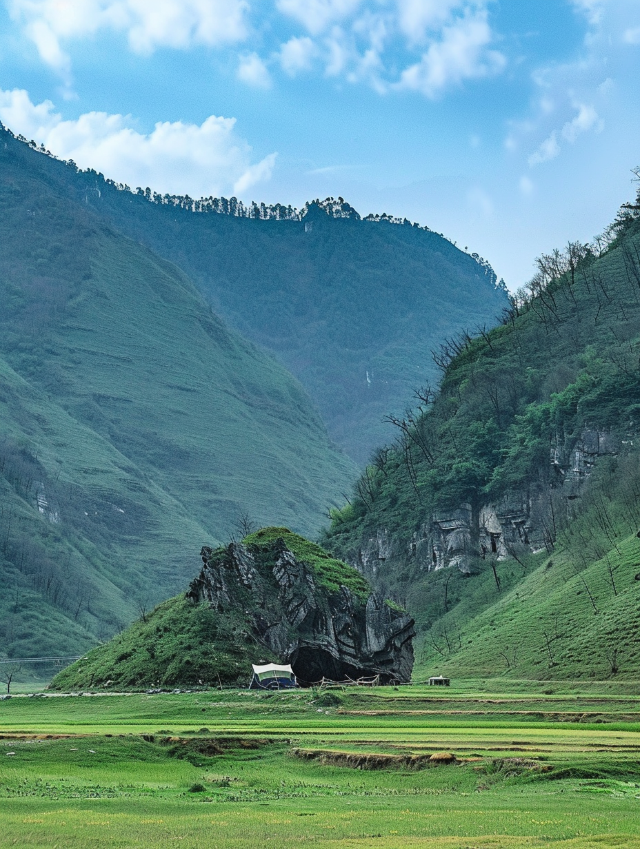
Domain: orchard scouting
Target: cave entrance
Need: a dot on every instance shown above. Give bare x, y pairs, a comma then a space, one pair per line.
311, 665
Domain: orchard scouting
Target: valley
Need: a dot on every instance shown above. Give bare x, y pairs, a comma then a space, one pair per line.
319, 424
337, 767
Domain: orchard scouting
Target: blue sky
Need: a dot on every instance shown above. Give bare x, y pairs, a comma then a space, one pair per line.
509, 126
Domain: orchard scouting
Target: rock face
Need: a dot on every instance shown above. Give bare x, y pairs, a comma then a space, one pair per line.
321, 631
522, 520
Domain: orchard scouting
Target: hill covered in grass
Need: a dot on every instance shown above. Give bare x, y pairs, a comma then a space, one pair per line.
133, 423
351, 307
274, 597
177, 644
505, 514
572, 612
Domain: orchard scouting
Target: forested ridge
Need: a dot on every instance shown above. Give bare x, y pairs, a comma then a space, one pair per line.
351, 306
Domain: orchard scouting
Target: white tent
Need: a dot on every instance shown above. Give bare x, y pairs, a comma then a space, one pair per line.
273, 676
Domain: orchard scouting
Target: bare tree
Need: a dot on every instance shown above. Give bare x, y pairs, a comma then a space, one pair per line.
590, 594
452, 640
493, 562
550, 638
143, 608
611, 577
509, 655
612, 656
243, 525
8, 674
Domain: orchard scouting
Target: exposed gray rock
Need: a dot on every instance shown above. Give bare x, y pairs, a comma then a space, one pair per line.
523, 520
322, 633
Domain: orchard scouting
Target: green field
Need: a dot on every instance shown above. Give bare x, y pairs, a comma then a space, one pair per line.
535, 765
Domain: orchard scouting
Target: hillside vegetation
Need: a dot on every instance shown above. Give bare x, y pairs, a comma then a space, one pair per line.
511, 404
134, 424
351, 307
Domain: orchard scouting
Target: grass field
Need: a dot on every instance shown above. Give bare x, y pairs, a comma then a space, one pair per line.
236, 768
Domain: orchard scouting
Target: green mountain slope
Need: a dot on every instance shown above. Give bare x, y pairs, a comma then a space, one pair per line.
134, 426
522, 471
351, 307
557, 618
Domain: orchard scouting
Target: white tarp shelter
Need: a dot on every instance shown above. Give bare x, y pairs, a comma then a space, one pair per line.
273, 676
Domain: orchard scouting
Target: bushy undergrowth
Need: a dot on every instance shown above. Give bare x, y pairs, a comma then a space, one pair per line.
563, 360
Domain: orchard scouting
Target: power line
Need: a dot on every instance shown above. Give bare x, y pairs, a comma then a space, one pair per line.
42, 659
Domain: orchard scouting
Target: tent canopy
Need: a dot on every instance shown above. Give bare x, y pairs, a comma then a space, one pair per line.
272, 670
273, 676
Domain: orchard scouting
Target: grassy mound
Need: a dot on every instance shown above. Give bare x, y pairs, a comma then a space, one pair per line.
179, 643
182, 643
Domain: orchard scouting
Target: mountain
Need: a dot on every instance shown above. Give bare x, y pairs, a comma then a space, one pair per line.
506, 514
134, 424
351, 307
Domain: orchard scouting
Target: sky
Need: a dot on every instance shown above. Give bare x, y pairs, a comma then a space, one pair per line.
511, 126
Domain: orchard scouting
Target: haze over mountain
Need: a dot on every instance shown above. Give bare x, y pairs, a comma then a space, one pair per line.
136, 426
353, 308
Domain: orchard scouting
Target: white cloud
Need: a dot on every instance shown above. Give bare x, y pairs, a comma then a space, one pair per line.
317, 15
338, 53
358, 40
632, 35
178, 158
593, 9
253, 71
373, 28
586, 118
49, 48
258, 173
417, 17
462, 53
148, 23
369, 67
297, 55
548, 150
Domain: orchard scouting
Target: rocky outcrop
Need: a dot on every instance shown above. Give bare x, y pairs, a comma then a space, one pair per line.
321, 631
523, 520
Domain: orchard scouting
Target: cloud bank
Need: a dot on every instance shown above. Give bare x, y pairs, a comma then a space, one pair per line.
175, 158
426, 46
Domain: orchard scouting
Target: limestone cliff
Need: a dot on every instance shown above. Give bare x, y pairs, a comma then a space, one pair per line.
274, 597
307, 609
523, 520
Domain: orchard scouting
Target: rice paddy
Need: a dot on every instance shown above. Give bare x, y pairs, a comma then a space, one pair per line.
482, 764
